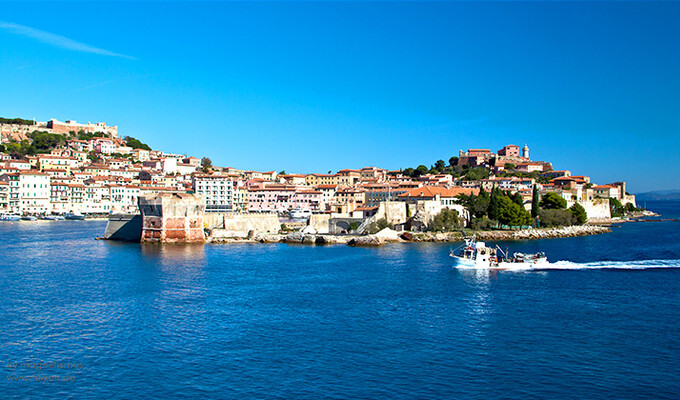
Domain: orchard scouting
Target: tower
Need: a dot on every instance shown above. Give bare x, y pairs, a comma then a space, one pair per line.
525, 151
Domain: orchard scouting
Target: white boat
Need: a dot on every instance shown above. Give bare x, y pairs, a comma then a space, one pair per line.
29, 218
299, 213
75, 216
10, 217
476, 255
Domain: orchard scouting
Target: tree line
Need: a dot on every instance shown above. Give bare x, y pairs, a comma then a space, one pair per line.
16, 121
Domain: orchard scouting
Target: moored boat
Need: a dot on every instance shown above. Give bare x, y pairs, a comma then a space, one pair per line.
476, 255
75, 216
10, 217
299, 213
29, 218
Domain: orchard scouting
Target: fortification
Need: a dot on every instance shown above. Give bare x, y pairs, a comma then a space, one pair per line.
172, 218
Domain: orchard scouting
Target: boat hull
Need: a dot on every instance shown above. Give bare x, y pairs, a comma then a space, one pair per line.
464, 263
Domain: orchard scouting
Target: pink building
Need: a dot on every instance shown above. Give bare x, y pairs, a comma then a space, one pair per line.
306, 200
511, 150
270, 198
281, 198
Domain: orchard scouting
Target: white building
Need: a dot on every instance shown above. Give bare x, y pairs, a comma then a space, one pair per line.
217, 190
29, 192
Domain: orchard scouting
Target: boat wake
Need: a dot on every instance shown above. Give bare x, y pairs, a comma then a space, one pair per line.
640, 264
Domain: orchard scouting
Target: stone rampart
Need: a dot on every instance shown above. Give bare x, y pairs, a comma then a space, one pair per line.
172, 218
241, 225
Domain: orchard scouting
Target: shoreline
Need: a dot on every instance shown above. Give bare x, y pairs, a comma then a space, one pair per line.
390, 236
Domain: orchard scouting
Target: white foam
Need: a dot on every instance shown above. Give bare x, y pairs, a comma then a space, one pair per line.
640, 264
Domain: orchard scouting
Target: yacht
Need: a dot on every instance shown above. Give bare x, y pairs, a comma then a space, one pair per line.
29, 218
75, 216
476, 255
299, 213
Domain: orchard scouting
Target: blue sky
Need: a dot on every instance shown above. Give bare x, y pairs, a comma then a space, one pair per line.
312, 87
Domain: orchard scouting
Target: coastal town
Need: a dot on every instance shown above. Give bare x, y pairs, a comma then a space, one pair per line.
56, 168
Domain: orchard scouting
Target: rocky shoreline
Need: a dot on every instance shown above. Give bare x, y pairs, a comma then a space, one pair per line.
390, 236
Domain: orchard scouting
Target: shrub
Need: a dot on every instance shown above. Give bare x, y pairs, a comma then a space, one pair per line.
550, 218
377, 226
446, 221
483, 223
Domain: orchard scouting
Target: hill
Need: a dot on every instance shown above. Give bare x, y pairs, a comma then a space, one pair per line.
658, 195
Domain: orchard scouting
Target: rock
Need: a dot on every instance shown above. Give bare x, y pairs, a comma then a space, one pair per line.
408, 236
369, 240
387, 234
294, 237
308, 239
309, 229
321, 240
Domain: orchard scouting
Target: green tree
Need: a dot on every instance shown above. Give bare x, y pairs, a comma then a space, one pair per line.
439, 165
631, 208
615, 207
553, 201
511, 213
93, 157
509, 166
554, 217
517, 198
44, 141
579, 214
494, 210
446, 221
476, 174
478, 205
206, 164
16, 121
534, 202
453, 161
421, 170
136, 144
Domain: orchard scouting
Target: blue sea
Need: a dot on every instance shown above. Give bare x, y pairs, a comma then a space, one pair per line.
87, 319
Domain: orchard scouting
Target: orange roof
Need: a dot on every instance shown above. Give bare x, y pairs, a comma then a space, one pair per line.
432, 191
364, 208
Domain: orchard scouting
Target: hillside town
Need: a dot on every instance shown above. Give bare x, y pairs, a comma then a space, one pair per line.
58, 167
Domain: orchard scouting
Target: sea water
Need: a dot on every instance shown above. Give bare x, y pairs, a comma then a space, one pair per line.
90, 319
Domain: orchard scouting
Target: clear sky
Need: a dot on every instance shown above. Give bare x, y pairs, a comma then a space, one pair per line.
312, 87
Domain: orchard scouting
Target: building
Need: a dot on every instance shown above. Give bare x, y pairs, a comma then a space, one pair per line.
607, 191
4, 196
103, 145
72, 126
510, 150
530, 167
322, 179
217, 191
271, 198
29, 192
